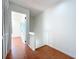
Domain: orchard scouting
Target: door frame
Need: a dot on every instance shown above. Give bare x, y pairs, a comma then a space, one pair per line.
20, 9
7, 7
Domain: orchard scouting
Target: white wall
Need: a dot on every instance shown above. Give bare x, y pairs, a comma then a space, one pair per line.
60, 25
56, 27
36, 26
32, 23
6, 28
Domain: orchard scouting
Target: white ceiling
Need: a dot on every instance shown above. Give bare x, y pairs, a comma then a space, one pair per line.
36, 6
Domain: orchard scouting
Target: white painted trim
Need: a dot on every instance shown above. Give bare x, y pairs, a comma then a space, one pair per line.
18, 8
60, 50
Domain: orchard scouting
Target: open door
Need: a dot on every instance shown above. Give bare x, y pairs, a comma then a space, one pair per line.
20, 22
19, 26
8, 7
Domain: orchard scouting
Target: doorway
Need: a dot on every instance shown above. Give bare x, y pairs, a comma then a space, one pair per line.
19, 26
